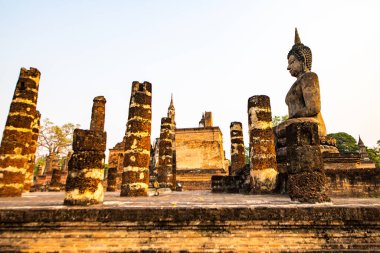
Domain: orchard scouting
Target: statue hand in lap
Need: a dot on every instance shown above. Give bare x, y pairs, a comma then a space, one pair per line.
303, 98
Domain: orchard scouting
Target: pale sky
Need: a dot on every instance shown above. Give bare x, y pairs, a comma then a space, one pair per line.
211, 54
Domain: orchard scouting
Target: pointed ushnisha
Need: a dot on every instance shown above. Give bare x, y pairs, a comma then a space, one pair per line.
297, 39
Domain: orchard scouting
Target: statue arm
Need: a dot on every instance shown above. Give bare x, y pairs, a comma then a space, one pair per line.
311, 96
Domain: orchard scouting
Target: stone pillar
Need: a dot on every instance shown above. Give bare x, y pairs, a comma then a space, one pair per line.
55, 183
33, 148
306, 176
237, 147
98, 114
15, 150
174, 159
165, 156
135, 177
112, 179
263, 165
86, 165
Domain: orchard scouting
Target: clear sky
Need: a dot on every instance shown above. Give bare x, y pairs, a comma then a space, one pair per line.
211, 54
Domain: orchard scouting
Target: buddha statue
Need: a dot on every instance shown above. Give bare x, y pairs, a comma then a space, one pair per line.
303, 98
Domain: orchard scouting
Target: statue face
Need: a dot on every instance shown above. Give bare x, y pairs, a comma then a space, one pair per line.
295, 66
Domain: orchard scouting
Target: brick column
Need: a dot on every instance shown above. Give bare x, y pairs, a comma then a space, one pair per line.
86, 165
112, 179
33, 148
15, 150
135, 177
306, 179
174, 159
165, 156
237, 147
55, 183
263, 165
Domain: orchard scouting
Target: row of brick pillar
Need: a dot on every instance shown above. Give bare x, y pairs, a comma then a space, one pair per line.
86, 165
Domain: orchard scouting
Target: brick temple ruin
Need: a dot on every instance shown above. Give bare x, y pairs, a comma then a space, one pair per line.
191, 155
290, 168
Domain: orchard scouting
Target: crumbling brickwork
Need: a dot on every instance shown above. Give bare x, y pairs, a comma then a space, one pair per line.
165, 164
199, 156
16, 145
237, 147
55, 183
115, 167
33, 148
262, 152
306, 179
135, 177
112, 179
86, 165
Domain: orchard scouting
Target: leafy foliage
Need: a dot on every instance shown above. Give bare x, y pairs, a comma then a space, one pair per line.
56, 139
345, 142
374, 154
276, 120
246, 155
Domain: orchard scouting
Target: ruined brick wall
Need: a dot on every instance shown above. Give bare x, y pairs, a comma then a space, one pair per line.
199, 155
238, 229
362, 183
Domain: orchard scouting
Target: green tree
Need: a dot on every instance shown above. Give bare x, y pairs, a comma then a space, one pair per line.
374, 154
56, 139
345, 142
246, 155
276, 120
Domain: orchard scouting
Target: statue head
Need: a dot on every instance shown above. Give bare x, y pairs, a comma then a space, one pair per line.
299, 57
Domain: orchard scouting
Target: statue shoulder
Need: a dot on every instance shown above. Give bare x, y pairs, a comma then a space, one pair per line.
309, 78
310, 75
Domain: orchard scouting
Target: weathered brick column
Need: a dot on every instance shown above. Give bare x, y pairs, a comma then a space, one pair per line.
33, 148
306, 179
112, 180
135, 177
15, 150
55, 183
174, 159
86, 165
165, 154
263, 165
237, 147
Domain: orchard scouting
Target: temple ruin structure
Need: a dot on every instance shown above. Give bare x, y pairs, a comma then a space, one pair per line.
199, 155
17, 147
262, 153
86, 165
135, 176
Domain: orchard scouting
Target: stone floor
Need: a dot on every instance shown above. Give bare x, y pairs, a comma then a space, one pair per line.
196, 199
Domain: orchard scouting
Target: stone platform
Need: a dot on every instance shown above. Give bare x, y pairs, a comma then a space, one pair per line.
197, 221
